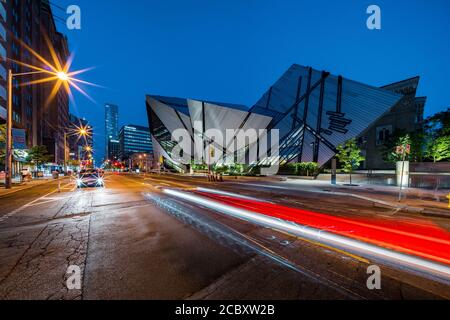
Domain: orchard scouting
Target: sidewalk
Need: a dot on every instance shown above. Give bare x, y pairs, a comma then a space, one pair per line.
421, 201
18, 186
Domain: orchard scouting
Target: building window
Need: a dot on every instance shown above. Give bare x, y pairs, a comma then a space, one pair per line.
384, 133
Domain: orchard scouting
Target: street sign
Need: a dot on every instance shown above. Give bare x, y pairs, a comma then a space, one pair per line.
19, 139
408, 149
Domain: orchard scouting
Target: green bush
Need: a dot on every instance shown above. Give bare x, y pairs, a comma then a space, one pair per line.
300, 169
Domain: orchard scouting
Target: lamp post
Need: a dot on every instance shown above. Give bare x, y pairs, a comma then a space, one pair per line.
9, 145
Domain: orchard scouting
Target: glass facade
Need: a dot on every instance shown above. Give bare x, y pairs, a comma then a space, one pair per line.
134, 139
111, 125
313, 110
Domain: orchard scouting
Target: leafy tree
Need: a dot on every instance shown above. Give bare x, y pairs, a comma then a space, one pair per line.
439, 124
439, 149
438, 136
38, 155
403, 141
349, 155
416, 140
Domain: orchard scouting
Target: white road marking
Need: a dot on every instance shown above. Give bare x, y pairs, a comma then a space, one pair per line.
32, 203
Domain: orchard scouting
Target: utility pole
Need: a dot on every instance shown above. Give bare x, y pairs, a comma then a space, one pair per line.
9, 146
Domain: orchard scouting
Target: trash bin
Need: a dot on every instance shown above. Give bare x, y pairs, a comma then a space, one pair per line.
55, 174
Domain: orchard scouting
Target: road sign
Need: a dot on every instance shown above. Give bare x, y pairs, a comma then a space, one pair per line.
408, 149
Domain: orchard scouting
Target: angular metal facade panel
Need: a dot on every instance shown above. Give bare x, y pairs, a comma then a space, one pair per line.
333, 110
313, 110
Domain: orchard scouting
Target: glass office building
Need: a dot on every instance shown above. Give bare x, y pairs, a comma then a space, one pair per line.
134, 139
313, 110
111, 125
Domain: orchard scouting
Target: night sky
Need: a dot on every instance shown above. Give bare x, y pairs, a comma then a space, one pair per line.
233, 50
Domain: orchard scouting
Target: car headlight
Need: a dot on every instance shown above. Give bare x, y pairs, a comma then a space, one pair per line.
79, 182
100, 181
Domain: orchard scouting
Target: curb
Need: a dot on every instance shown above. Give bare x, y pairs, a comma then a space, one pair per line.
405, 208
436, 214
402, 207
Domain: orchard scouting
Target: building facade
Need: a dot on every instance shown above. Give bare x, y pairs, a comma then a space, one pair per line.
3, 62
113, 149
77, 144
30, 25
405, 117
144, 162
111, 125
134, 139
313, 112
55, 113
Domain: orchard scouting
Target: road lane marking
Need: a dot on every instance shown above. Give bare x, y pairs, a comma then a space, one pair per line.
18, 210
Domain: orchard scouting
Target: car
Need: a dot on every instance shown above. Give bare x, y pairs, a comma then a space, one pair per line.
90, 179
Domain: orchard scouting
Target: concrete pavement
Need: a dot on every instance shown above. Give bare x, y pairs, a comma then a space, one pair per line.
132, 242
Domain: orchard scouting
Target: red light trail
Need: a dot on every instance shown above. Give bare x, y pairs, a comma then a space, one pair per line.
416, 237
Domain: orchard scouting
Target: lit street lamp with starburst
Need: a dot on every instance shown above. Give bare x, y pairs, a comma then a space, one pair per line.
56, 72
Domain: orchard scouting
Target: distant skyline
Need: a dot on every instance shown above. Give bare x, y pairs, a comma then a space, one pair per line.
233, 51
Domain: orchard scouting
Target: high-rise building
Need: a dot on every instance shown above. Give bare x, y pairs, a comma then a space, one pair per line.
3, 64
31, 24
55, 114
134, 139
111, 125
113, 149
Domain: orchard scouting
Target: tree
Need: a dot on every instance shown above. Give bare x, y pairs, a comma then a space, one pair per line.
38, 155
439, 124
439, 149
349, 155
403, 140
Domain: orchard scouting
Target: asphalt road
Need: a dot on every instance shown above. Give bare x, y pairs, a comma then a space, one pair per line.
132, 241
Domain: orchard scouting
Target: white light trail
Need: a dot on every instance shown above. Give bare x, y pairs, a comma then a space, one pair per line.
229, 194
314, 234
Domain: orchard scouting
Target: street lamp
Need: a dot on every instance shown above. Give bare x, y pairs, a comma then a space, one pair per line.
55, 70
78, 131
63, 76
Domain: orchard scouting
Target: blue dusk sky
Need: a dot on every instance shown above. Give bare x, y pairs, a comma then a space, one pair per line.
233, 50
